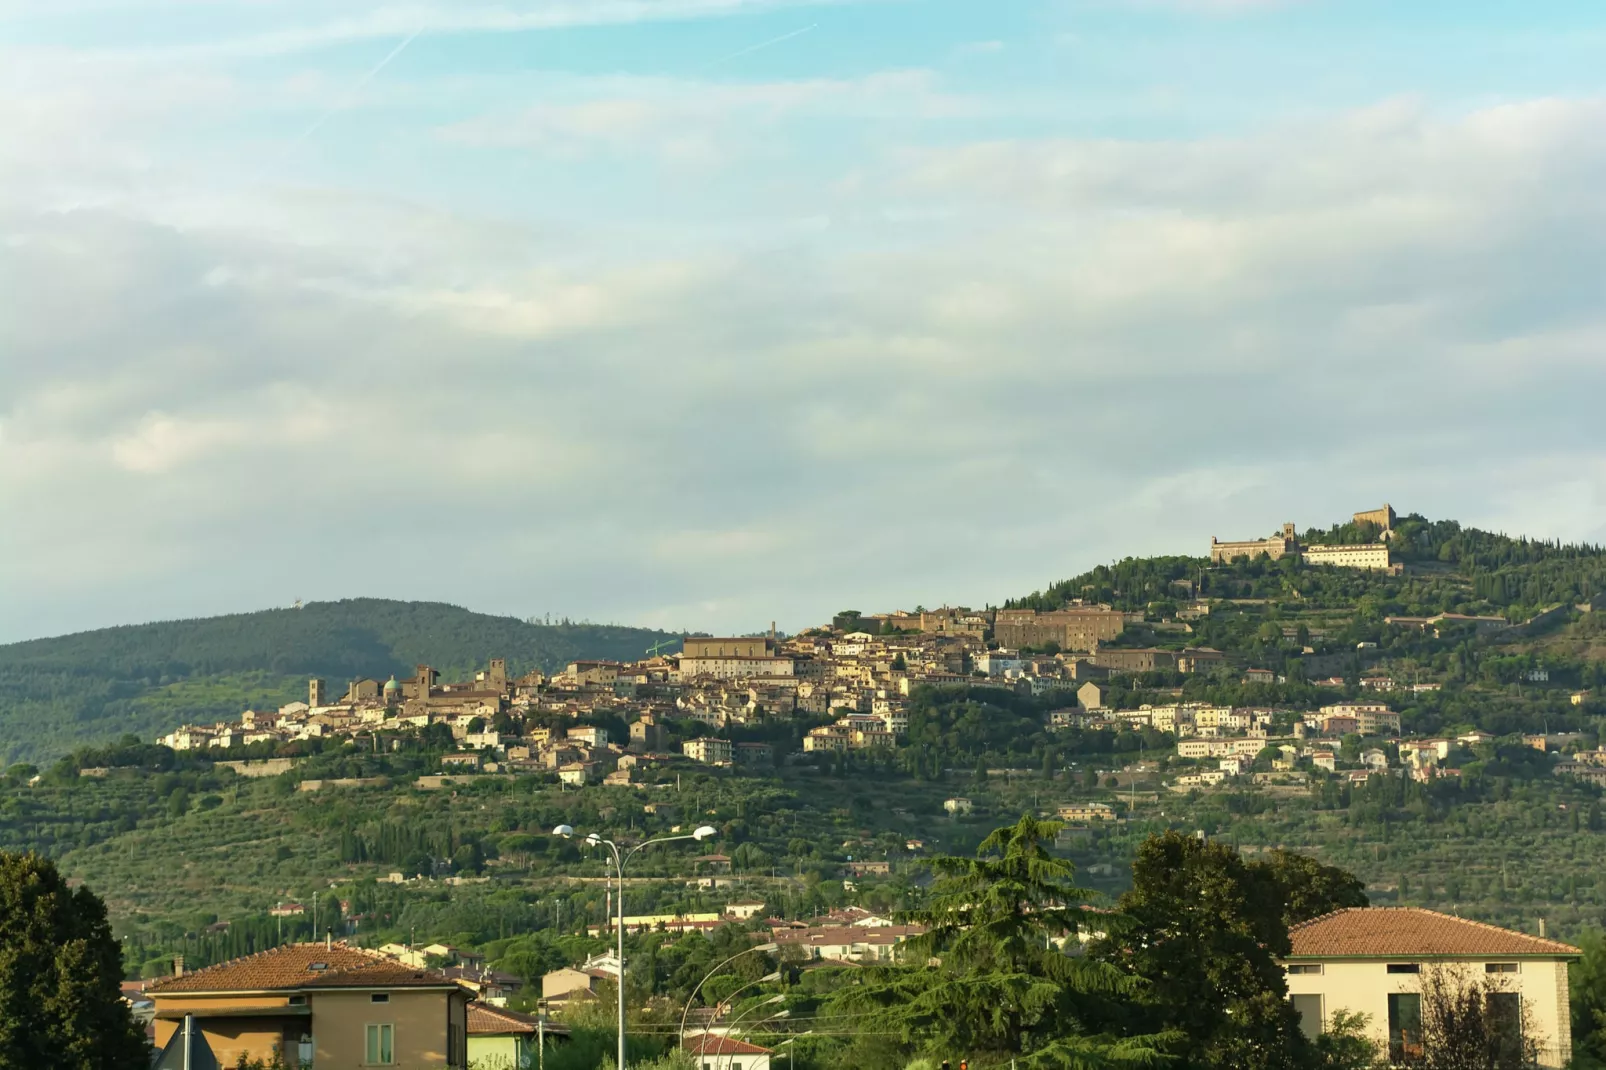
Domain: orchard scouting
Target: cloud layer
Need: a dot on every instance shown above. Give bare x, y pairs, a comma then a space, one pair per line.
914, 361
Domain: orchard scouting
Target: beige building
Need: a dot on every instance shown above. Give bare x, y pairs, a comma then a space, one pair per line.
1371, 556
1075, 628
741, 647
1126, 659
1274, 547
708, 750
1383, 518
330, 1005
733, 666
1370, 960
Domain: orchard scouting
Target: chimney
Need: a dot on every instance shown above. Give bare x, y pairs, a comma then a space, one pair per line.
178, 965
1541, 928
328, 939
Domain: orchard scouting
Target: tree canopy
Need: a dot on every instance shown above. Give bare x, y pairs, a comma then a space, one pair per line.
1001, 986
60, 968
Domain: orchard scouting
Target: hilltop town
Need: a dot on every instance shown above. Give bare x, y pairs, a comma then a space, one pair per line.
847, 686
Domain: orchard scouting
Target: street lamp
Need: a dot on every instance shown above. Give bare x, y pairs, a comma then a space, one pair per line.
619, 859
687, 1011
787, 1044
730, 1030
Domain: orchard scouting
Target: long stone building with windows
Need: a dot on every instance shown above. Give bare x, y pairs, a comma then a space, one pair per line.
1274, 547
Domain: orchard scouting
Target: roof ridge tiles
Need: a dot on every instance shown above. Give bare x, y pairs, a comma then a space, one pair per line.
1451, 930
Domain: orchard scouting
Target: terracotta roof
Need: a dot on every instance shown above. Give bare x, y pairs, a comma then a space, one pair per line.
300, 966
841, 935
714, 1044
1410, 932
486, 1020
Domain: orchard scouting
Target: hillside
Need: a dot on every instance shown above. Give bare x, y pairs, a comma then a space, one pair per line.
1536, 639
65, 692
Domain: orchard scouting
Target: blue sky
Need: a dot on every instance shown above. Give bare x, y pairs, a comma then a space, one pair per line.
702, 313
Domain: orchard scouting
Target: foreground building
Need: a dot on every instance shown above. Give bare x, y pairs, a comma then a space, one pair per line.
330, 1005
1370, 960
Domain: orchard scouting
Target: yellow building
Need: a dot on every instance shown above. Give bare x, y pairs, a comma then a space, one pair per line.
330, 1005
1371, 961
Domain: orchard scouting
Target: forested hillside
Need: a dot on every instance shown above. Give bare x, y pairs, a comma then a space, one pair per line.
65, 692
1449, 569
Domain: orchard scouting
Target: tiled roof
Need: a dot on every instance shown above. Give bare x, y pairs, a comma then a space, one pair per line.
714, 1044
848, 934
486, 1020
299, 966
1409, 932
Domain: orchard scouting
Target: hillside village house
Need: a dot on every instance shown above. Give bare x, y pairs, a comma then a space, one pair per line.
500, 1037
1370, 960
326, 1004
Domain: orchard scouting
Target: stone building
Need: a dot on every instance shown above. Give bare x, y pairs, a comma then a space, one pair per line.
1076, 628
1383, 518
1274, 547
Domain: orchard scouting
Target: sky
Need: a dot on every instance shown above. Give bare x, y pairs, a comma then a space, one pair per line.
702, 314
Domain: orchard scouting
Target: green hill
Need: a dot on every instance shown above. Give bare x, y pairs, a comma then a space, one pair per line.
65, 692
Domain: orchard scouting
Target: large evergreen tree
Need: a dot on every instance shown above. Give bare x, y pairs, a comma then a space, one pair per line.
989, 980
60, 968
1204, 929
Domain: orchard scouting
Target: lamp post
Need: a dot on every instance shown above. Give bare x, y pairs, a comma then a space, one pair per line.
766, 979
619, 860
787, 1044
687, 1011
730, 1030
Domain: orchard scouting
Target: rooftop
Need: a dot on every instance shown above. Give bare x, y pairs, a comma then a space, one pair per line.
714, 1044
1383, 932
299, 966
486, 1020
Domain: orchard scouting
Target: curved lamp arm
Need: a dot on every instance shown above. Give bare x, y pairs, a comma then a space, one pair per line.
687, 1011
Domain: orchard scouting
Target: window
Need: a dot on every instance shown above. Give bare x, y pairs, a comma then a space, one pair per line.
1505, 1021
1405, 1026
1499, 967
1305, 967
1309, 1009
380, 997
381, 1049
1405, 967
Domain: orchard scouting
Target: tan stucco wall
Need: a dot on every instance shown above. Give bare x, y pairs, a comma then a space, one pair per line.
339, 1021
1364, 987
255, 1037
229, 1039
337, 1025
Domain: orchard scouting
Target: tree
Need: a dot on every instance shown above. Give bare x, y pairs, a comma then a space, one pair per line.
1472, 1023
1001, 989
60, 967
1587, 981
1310, 889
1204, 929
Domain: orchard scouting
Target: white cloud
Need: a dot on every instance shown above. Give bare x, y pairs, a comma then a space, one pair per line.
986, 366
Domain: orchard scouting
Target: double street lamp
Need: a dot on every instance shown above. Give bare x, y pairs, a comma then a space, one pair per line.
620, 858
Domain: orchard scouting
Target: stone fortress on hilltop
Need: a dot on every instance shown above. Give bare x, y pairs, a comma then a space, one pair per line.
1366, 556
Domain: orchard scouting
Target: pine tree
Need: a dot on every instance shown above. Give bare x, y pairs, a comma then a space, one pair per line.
60, 967
988, 980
